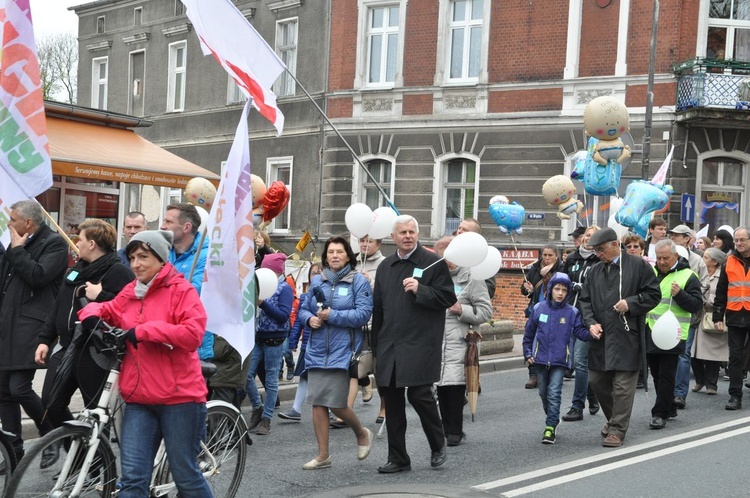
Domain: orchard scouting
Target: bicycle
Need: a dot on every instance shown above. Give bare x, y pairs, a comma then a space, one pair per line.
89, 465
7, 460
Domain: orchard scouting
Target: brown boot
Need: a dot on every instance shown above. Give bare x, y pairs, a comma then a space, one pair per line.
532, 383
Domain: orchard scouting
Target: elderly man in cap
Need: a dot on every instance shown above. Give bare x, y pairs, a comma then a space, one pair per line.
617, 294
681, 235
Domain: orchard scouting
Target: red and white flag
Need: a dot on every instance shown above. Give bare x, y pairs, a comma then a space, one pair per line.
228, 292
224, 32
25, 165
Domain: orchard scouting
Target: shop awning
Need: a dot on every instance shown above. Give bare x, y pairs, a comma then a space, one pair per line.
106, 153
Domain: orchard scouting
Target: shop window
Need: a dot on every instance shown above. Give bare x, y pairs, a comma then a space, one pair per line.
280, 169
286, 48
459, 193
99, 77
722, 190
382, 171
177, 74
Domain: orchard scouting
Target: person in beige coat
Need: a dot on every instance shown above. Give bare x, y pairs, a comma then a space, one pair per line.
710, 348
472, 309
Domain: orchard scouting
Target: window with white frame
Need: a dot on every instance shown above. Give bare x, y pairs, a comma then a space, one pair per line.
722, 185
177, 73
286, 48
137, 16
280, 169
382, 171
459, 192
382, 44
100, 24
728, 30
465, 39
99, 75
234, 92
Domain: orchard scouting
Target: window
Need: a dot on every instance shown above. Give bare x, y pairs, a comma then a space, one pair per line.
382, 172
382, 44
280, 169
176, 91
179, 8
286, 48
100, 24
465, 39
234, 92
137, 16
729, 30
99, 71
722, 187
137, 77
459, 191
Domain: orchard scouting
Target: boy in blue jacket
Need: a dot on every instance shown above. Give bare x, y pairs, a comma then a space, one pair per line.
547, 346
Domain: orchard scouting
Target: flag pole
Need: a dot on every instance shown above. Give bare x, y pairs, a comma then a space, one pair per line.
338, 133
59, 230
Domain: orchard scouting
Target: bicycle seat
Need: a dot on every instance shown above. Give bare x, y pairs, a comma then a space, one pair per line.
208, 369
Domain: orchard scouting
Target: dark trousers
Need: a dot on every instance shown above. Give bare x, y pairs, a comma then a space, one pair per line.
663, 370
85, 375
706, 372
737, 340
423, 401
451, 403
16, 392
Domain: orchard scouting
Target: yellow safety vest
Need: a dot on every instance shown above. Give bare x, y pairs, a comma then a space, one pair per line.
681, 277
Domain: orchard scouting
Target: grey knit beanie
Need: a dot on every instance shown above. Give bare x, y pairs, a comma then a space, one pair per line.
159, 241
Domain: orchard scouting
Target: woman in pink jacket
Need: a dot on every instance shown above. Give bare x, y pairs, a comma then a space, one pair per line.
160, 380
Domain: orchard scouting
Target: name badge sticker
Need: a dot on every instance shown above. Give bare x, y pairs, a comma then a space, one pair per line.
543, 318
72, 275
418, 272
343, 291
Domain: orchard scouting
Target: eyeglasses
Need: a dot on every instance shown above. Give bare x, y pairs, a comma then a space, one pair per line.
633, 246
740, 241
600, 248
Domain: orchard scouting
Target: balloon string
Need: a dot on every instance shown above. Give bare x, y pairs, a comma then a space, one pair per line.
433, 264
515, 247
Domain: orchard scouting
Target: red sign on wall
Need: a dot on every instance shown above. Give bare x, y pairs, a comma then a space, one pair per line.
517, 259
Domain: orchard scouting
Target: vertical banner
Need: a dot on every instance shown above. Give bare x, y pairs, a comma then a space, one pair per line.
26, 169
229, 280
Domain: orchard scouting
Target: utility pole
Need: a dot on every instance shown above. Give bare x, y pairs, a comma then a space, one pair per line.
645, 157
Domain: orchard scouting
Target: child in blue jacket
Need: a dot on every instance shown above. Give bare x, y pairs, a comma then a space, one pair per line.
547, 346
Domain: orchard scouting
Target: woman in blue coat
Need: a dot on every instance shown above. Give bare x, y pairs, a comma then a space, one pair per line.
338, 304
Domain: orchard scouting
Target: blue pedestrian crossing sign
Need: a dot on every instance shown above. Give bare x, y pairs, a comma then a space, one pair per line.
687, 208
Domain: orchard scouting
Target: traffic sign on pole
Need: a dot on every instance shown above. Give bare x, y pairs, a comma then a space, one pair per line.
687, 209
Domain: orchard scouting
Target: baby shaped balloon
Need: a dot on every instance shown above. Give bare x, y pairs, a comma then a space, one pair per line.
607, 119
508, 216
598, 179
559, 191
641, 199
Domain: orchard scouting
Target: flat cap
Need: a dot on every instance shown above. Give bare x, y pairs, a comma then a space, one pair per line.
602, 236
577, 232
681, 229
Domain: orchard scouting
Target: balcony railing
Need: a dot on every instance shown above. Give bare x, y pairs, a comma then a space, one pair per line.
713, 83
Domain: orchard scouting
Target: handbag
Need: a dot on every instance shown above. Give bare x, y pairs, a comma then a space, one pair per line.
707, 324
361, 364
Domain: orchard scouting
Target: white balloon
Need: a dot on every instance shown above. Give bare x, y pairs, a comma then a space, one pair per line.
467, 249
489, 267
204, 217
727, 228
382, 223
614, 206
358, 219
681, 251
268, 282
354, 242
666, 332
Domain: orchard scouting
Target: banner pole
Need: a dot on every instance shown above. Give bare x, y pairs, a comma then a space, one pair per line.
59, 230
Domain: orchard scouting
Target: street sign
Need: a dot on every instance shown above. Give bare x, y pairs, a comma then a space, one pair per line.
687, 208
534, 216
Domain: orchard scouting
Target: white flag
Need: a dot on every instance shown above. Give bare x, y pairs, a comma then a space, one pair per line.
24, 149
224, 32
229, 280
661, 175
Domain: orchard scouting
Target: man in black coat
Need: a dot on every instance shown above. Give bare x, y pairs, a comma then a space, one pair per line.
412, 291
617, 294
30, 276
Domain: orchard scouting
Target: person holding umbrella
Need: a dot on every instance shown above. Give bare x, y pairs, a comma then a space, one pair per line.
98, 275
472, 308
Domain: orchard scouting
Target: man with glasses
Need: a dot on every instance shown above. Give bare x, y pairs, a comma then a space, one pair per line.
732, 306
617, 294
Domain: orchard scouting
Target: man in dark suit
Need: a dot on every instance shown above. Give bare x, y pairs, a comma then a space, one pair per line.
30, 276
412, 291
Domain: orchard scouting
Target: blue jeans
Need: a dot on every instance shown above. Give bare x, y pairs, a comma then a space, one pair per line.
287, 357
271, 356
550, 390
182, 427
682, 378
581, 389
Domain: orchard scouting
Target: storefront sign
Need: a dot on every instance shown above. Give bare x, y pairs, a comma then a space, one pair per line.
104, 173
517, 259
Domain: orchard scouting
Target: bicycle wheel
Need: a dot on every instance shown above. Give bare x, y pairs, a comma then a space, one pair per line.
222, 456
30, 480
7, 461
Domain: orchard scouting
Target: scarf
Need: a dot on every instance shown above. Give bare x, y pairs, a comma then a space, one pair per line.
83, 271
585, 253
334, 277
141, 289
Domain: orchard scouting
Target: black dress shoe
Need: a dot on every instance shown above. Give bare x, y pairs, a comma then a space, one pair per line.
438, 457
392, 468
454, 439
50, 456
594, 407
658, 423
735, 403
573, 415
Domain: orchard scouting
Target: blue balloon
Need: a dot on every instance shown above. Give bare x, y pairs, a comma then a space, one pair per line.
642, 198
508, 217
642, 227
597, 179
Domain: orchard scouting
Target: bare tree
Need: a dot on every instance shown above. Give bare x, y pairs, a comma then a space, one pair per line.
58, 61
